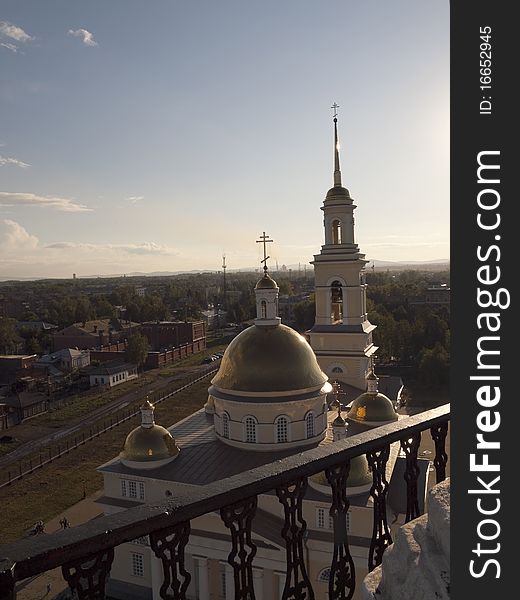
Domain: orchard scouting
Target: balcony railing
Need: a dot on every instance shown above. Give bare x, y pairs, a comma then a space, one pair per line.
85, 553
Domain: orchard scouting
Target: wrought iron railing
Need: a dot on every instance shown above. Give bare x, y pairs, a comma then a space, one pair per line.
85, 553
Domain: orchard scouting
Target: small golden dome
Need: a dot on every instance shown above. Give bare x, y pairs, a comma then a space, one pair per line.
149, 442
269, 359
266, 283
145, 444
372, 408
359, 474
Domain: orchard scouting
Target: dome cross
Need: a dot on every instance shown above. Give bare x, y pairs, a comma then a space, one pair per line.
264, 239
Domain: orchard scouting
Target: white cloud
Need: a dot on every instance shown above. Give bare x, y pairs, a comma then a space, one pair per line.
87, 36
52, 202
14, 238
143, 248
14, 32
135, 199
7, 160
9, 32
9, 46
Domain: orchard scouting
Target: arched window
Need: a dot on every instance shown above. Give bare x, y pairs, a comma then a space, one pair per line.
250, 430
337, 370
282, 429
225, 425
336, 299
324, 576
309, 425
336, 231
263, 309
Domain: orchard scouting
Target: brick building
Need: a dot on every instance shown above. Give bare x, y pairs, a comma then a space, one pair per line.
172, 334
93, 334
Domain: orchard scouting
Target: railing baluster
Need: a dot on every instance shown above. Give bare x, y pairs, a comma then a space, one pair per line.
342, 580
87, 576
381, 537
168, 545
238, 518
439, 433
7, 581
297, 583
410, 447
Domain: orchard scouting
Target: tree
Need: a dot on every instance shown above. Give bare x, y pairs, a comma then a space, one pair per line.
137, 349
8, 335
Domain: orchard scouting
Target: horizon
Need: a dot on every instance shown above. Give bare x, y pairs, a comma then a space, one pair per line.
143, 148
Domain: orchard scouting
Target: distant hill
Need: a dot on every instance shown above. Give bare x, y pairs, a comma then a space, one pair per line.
379, 265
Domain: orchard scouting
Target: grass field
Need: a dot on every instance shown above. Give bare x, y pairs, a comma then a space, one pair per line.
47, 492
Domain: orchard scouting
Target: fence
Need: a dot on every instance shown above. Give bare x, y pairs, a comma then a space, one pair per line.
86, 552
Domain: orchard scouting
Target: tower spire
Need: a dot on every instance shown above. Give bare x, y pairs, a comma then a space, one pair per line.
337, 169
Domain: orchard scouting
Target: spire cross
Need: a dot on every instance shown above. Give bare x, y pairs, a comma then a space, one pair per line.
264, 239
335, 107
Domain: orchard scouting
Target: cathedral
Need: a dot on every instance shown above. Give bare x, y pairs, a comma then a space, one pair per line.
274, 395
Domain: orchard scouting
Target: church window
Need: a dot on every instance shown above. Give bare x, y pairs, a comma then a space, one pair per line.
225, 425
309, 425
263, 309
323, 519
336, 231
137, 565
282, 429
250, 430
336, 297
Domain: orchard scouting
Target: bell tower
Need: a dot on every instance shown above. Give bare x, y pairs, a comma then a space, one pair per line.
342, 334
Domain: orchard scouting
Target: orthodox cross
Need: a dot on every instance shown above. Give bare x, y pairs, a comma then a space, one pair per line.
264, 239
335, 107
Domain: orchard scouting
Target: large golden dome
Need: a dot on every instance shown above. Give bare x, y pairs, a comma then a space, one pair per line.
269, 359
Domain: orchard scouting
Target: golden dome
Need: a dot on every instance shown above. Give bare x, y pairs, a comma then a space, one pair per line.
359, 474
149, 443
269, 359
146, 444
372, 408
266, 282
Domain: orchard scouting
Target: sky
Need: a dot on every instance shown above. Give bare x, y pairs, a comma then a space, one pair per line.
141, 136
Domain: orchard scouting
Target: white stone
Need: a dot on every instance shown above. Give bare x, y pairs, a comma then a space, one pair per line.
416, 566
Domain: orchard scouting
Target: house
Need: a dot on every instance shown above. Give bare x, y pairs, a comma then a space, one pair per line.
112, 373
69, 359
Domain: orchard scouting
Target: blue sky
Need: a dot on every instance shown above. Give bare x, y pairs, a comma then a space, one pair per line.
146, 136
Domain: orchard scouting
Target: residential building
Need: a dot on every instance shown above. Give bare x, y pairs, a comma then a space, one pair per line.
112, 373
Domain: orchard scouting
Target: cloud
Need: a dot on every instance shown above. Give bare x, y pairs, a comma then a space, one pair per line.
9, 32
87, 36
7, 160
52, 202
135, 199
13, 237
143, 248
12, 31
9, 46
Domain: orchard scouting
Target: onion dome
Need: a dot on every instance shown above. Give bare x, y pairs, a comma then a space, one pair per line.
372, 408
269, 359
148, 446
267, 282
359, 478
